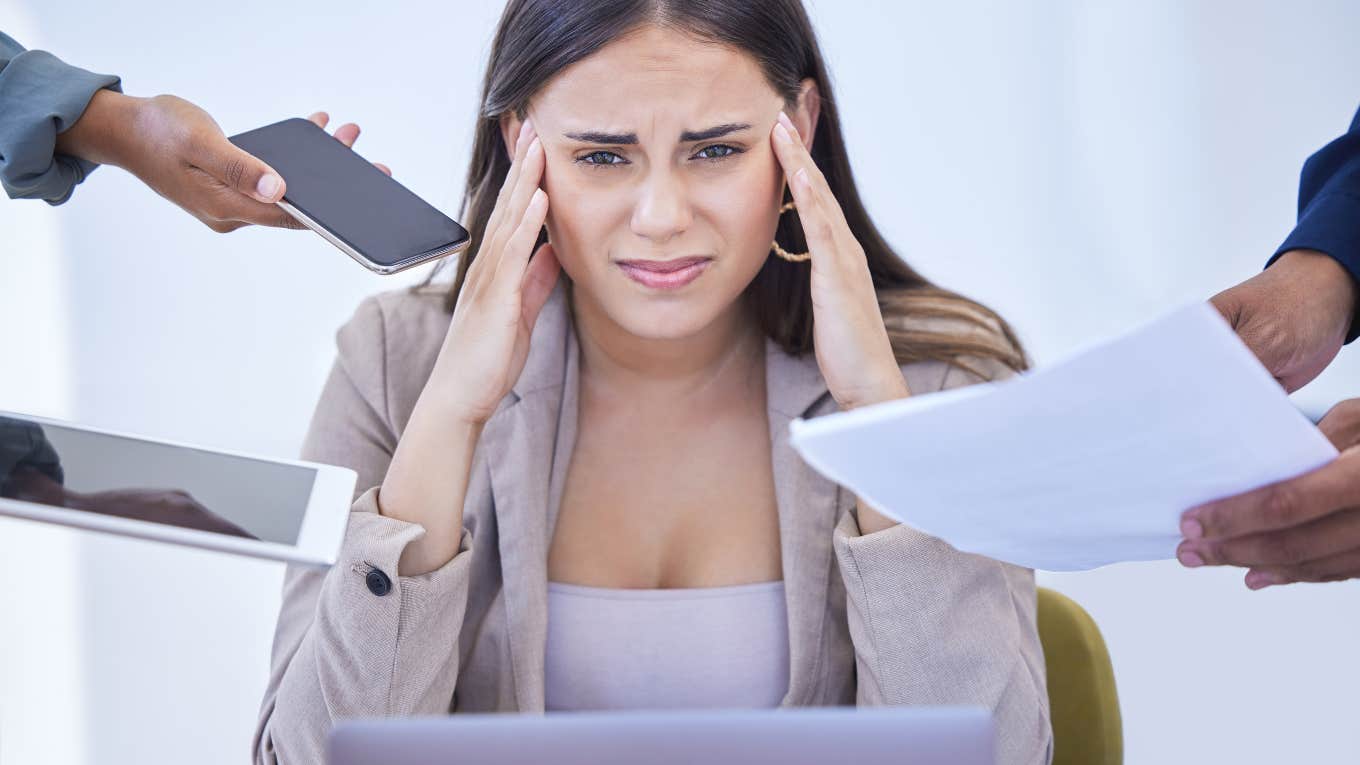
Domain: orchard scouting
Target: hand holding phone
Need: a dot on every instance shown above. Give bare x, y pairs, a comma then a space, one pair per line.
178, 150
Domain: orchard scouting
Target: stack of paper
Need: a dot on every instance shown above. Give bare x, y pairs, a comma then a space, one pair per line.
1088, 462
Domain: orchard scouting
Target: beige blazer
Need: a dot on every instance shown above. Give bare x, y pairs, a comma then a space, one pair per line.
894, 617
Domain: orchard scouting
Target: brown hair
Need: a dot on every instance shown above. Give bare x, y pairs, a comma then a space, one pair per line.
538, 38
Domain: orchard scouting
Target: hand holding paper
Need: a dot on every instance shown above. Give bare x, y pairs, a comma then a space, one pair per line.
1088, 462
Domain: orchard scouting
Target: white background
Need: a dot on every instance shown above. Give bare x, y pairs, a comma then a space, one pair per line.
1080, 166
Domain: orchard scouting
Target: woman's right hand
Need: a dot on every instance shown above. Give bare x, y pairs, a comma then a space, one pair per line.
483, 355
488, 338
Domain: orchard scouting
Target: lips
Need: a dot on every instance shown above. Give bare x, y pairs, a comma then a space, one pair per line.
665, 274
662, 266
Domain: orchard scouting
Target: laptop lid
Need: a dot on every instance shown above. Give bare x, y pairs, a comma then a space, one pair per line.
804, 736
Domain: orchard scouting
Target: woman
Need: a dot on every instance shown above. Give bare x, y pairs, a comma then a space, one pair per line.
578, 490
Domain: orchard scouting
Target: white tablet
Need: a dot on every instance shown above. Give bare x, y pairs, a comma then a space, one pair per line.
74, 475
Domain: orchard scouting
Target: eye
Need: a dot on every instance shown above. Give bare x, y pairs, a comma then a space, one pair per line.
600, 159
724, 151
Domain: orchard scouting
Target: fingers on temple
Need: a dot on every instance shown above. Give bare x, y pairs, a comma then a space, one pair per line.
484, 259
521, 148
517, 205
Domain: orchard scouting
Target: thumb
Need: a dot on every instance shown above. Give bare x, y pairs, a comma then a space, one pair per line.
244, 172
539, 278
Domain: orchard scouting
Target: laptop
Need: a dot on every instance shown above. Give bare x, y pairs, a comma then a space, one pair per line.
786, 736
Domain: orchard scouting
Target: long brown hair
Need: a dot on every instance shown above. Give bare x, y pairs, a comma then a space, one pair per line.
539, 38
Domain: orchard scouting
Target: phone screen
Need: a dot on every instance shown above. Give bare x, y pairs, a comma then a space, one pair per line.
357, 203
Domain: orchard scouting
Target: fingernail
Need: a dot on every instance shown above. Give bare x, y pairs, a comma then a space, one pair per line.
1191, 529
786, 122
781, 134
1259, 579
1190, 558
268, 186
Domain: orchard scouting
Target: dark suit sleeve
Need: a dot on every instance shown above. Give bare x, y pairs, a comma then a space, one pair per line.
1329, 207
40, 98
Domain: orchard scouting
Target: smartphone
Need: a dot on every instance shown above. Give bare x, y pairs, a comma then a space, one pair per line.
349, 202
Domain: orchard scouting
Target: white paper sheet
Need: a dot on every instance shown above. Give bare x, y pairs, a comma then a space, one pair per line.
1084, 463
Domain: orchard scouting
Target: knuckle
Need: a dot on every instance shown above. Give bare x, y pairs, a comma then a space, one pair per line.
818, 228
233, 171
1281, 505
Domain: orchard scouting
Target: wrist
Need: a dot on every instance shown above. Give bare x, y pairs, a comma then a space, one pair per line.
1327, 280
891, 390
871, 521
100, 134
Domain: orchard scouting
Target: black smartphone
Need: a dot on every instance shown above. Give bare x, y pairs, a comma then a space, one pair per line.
352, 204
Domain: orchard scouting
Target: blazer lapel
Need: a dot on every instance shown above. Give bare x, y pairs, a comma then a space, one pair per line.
521, 440
808, 504
529, 441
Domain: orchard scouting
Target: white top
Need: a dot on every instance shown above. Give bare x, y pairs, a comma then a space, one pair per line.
708, 647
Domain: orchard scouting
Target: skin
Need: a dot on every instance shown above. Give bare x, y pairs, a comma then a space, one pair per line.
667, 379
1294, 316
179, 151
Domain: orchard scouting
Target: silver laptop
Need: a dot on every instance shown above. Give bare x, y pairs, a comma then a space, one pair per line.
805, 736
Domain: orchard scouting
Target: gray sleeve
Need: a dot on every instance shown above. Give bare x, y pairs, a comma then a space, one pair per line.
40, 98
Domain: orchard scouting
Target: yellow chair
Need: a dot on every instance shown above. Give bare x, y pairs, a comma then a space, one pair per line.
1087, 729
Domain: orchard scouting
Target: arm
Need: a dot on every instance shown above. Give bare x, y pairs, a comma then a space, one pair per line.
58, 123
1329, 209
340, 649
40, 98
1297, 313
933, 626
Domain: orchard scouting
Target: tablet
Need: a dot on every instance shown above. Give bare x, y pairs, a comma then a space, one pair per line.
74, 475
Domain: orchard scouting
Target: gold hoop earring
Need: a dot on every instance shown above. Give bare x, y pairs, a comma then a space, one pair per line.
792, 257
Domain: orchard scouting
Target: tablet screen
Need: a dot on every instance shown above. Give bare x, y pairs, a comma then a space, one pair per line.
126, 477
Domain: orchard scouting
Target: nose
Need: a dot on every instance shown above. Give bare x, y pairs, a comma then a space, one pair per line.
662, 209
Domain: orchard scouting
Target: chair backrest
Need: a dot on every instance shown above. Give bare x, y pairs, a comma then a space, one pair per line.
1087, 728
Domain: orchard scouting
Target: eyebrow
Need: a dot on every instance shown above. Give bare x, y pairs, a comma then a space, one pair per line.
630, 139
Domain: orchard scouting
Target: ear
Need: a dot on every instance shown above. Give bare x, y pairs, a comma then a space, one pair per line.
807, 111
509, 132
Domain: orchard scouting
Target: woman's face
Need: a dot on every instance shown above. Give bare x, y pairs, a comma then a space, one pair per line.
658, 148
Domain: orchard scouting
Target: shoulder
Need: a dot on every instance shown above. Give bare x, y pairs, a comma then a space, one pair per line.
389, 345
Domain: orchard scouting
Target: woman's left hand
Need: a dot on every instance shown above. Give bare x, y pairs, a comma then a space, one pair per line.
849, 338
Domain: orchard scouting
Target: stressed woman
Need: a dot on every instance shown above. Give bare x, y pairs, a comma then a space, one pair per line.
577, 488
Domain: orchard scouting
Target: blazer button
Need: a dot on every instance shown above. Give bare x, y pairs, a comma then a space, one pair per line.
377, 581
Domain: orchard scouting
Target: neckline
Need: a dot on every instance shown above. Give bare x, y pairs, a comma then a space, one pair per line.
667, 593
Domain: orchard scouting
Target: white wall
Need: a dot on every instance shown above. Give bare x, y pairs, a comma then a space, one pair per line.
1080, 166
